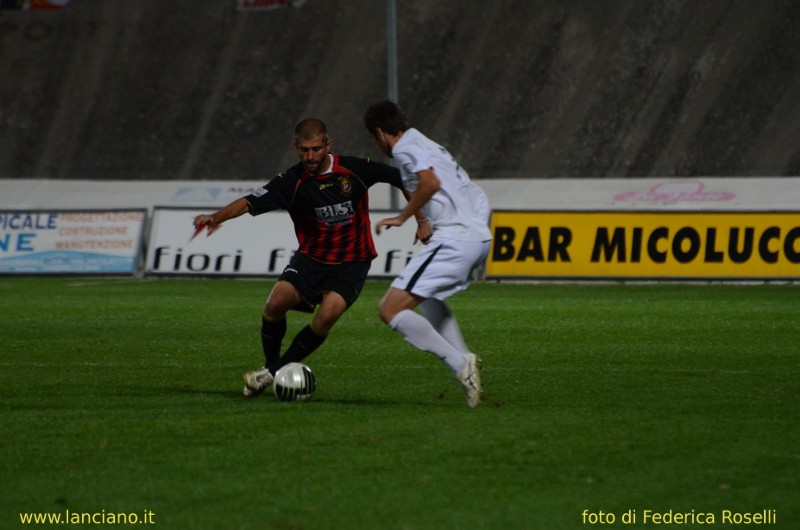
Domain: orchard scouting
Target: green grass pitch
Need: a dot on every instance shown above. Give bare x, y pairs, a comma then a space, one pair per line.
124, 397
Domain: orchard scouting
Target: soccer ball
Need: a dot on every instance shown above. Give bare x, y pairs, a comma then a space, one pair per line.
294, 382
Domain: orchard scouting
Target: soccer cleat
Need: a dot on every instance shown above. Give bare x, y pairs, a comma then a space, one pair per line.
470, 379
256, 382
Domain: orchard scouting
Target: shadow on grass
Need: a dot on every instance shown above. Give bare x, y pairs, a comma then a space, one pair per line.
231, 394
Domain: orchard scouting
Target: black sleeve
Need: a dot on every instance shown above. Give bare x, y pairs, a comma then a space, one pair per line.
277, 194
371, 172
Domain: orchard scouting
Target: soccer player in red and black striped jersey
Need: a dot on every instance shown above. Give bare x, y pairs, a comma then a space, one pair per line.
327, 198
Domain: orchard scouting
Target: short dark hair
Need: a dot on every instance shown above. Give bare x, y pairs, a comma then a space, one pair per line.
310, 128
386, 115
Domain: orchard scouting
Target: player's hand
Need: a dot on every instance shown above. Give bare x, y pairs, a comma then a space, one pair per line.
388, 223
207, 221
424, 233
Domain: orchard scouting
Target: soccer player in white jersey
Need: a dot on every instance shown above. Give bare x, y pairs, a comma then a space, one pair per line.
457, 237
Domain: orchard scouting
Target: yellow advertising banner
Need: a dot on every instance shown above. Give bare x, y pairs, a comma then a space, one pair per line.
658, 245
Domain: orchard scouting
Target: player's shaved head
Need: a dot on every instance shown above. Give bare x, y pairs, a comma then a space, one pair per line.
310, 128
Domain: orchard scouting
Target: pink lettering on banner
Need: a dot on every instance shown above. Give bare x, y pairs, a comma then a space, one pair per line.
677, 191
46, 4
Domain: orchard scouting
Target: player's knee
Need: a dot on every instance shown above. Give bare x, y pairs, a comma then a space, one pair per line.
323, 322
394, 302
275, 309
282, 298
321, 328
386, 312
330, 310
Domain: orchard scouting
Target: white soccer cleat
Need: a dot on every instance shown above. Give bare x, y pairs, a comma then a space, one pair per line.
470, 379
256, 382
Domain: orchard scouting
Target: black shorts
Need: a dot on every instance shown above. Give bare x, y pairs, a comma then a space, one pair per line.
312, 278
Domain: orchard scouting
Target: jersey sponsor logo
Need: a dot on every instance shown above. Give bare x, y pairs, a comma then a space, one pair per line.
344, 184
335, 213
260, 191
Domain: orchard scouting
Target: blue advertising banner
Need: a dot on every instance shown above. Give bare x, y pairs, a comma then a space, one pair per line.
74, 242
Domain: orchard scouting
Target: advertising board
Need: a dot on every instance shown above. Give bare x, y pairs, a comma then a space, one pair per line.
74, 242
657, 245
251, 246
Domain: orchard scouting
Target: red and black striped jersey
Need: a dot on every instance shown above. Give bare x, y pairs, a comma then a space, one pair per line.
331, 211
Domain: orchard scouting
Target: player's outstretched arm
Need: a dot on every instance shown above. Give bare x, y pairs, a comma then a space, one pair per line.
214, 220
427, 186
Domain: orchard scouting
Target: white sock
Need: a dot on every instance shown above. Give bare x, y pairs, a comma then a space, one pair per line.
438, 313
421, 334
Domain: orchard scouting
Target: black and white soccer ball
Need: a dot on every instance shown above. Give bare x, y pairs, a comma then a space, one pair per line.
294, 382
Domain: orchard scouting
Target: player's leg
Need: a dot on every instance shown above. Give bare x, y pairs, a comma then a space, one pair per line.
331, 308
434, 274
441, 317
283, 297
311, 337
446, 278
339, 285
396, 310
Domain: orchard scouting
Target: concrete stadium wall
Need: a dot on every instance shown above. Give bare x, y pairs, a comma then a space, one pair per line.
196, 90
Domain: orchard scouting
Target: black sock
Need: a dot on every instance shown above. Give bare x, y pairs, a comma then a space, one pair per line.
272, 333
303, 345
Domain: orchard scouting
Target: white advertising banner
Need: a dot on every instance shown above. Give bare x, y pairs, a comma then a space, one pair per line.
56, 242
252, 246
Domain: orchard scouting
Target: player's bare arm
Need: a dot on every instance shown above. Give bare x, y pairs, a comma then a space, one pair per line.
214, 220
427, 186
424, 228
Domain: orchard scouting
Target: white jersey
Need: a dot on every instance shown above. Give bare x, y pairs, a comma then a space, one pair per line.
459, 209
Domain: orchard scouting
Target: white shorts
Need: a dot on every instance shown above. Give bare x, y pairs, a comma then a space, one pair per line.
442, 268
